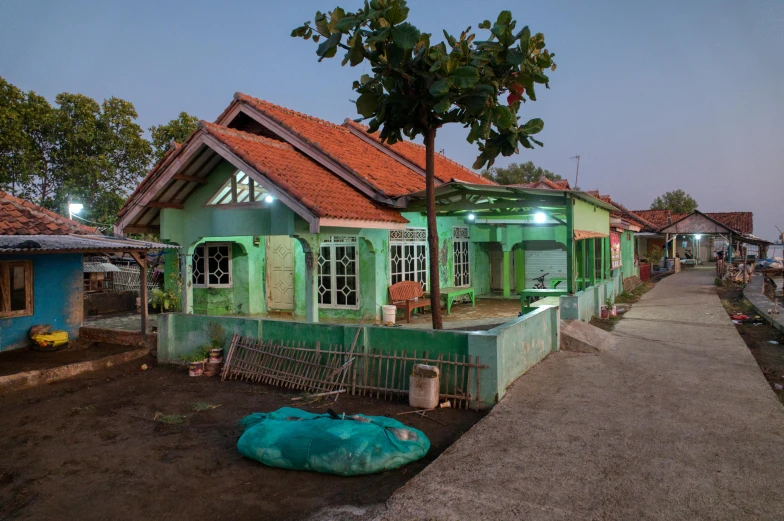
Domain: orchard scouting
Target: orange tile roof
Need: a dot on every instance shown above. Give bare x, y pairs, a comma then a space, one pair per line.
324, 193
549, 184
20, 217
387, 175
659, 218
742, 222
446, 169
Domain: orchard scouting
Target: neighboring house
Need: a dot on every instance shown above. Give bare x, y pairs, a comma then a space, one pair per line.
278, 211
41, 270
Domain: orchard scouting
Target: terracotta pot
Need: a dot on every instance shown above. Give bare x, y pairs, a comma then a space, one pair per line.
196, 368
212, 368
216, 355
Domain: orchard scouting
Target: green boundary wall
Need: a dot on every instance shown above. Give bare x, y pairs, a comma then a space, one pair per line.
509, 350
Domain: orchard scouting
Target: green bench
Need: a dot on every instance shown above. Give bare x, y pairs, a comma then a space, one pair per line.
449, 294
527, 294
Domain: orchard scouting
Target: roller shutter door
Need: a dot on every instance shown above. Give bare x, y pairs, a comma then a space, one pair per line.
547, 257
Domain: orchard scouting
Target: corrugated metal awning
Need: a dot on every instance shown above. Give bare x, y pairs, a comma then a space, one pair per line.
74, 243
99, 267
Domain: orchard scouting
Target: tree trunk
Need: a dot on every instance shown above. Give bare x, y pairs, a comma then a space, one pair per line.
432, 229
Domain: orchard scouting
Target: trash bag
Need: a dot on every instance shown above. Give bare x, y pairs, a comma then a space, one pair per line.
334, 444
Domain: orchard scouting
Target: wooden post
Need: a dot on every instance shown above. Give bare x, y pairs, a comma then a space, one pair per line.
141, 260
569, 246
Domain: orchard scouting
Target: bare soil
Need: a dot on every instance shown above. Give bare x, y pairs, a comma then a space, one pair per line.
22, 360
769, 357
626, 299
92, 448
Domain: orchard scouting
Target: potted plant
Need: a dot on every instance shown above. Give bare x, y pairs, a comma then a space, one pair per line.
217, 338
196, 362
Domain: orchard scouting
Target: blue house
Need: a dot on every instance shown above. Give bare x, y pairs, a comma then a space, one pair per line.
41, 273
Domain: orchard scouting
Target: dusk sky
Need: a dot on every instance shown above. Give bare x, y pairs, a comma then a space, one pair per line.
654, 96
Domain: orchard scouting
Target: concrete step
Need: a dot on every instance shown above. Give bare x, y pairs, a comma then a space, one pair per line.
582, 337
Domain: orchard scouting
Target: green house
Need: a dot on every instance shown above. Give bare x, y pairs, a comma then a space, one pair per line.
282, 214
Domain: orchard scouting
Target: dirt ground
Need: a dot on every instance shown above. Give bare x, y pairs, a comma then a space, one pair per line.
21, 360
769, 357
624, 300
92, 448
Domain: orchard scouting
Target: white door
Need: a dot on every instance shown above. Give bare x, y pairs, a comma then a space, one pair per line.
280, 273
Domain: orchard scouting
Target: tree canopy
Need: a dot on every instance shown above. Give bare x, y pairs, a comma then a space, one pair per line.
177, 130
75, 149
676, 201
518, 173
417, 85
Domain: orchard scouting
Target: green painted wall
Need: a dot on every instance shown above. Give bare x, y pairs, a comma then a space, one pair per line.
627, 254
591, 218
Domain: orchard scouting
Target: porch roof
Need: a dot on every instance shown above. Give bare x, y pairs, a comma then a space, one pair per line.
462, 198
75, 243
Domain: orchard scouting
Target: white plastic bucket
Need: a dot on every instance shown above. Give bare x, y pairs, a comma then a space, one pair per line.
388, 314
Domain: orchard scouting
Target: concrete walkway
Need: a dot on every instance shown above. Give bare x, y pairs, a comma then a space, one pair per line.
675, 422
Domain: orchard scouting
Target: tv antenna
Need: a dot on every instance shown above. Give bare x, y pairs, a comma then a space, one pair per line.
577, 157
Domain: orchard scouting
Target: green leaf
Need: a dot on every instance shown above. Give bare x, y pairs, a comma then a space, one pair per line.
440, 88
503, 117
443, 105
405, 36
504, 17
436, 66
465, 77
474, 105
345, 24
515, 57
329, 47
397, 13
367, 104
484, 25
525, 38
533, 126
356, 53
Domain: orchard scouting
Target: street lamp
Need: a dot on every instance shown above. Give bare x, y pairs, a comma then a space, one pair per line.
74, 208
540, 217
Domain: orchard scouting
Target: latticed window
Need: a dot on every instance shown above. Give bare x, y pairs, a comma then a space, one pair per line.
338, 273
212, 265
408, 259
460, 256
239, 188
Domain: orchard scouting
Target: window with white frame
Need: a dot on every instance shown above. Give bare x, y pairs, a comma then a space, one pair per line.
462, 265
239, 188
338, 273
212, 265
408, 257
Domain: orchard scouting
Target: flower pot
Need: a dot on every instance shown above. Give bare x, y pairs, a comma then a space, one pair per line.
212, 368
216, 355
196, 368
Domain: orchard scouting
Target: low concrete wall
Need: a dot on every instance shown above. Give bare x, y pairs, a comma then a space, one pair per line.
510, 349
753, 293
584, 305
109, 302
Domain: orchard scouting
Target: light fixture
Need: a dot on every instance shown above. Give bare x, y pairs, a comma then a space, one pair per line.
74, 208
471, 217
268, 198
698, 236
540, 217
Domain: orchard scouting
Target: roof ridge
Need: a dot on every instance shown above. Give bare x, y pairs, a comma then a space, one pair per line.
246, 97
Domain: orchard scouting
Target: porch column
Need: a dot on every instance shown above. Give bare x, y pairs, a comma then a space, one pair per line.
507, 292
603, 260
607, 258
311, 285
569, 246
187, 282
674, 242
584, 264
592, 264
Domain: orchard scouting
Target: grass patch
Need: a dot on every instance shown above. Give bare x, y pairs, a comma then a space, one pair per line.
203, 406
608, 324
170, 419
635, 294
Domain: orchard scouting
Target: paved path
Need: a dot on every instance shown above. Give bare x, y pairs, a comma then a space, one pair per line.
675, 422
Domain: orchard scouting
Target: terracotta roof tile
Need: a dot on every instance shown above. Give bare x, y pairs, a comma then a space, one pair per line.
20, 217
659, 218
742, 222
324, 193
387, 175
548, 184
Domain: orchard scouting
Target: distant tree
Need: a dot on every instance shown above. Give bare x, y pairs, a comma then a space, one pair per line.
76, 149
177, 130
518, 173
676, 201
416, 86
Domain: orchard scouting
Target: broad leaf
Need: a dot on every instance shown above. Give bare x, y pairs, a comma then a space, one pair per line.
465, 77
503, 117
367, 104
329, 47
533, 126
405, 36
443, 105
440, 88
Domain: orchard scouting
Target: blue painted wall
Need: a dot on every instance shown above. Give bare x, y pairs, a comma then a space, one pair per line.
57, 298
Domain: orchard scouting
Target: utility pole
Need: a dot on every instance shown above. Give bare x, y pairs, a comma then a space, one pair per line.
577, 157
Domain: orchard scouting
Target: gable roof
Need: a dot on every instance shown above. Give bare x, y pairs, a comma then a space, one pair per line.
20, 217
659, 218
549, 184
446, 170
325, 194
742, 222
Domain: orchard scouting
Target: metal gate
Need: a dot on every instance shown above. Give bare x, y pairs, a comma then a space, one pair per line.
544, 257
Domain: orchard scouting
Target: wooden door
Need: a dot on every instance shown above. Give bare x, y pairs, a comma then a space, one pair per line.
280, 273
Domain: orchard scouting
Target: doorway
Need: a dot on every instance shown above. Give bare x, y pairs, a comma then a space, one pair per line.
280, 273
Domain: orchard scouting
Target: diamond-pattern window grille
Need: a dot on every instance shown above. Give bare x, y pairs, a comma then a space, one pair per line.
408, 259
211, 267
462, 266
338, 273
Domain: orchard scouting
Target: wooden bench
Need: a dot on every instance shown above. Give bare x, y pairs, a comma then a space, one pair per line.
449, 294
527, 294
407, 295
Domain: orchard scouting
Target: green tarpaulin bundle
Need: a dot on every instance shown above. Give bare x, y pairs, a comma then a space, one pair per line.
334, 444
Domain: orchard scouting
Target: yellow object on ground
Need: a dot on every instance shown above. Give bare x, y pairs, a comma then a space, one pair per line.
51, 340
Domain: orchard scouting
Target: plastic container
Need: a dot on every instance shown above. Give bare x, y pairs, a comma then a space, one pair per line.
423, 385
388, 314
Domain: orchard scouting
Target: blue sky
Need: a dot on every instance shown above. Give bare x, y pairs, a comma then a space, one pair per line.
654, 96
